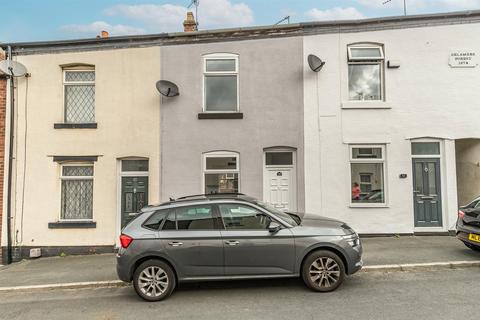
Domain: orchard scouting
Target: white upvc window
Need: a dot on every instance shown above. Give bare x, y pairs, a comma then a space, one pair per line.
79, 95
76, 192
367, 172
221, 171
220, 83
366, 72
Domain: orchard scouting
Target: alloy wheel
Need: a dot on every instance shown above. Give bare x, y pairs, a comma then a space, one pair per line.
324, 272
153, 281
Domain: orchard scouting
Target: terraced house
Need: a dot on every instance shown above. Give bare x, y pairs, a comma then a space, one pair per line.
382, 135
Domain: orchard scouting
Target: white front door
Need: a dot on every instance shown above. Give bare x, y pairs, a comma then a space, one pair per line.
279, 180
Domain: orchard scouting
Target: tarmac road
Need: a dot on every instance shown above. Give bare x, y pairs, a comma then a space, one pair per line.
449, 294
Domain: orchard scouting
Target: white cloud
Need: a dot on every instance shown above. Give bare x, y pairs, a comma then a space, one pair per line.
423, 4
168, 17
336, 13
96, 27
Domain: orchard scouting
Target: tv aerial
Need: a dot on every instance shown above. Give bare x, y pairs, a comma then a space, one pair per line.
13, 68
287, 19
195, 3
315, 63
167, 88
404, 5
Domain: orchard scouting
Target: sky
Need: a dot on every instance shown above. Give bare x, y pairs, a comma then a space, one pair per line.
38, 20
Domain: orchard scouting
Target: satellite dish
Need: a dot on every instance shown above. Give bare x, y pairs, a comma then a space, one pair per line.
13, 68
315, 63
167, 88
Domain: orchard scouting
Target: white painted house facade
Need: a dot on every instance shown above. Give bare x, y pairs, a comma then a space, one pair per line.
387, 123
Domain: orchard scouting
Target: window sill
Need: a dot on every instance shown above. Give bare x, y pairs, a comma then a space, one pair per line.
220, 115
365, 105
75, 125
72, 225
368, 205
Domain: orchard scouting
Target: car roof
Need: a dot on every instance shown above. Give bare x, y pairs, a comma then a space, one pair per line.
203, 198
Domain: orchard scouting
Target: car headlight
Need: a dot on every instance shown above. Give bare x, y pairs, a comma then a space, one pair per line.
352, 239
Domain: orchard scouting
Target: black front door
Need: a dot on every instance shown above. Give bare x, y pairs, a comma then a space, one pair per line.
134, 197
427, 193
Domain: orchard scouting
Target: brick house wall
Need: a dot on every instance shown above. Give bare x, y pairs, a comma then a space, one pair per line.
3, 105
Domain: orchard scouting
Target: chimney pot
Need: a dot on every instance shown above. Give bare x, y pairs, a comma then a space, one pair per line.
104, 34
190, 24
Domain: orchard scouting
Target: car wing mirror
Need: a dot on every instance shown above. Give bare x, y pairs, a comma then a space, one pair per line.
274, 227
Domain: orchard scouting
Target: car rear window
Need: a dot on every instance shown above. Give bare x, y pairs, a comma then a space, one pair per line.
156, 219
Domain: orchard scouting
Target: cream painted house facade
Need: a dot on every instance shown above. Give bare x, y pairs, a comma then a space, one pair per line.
65, 163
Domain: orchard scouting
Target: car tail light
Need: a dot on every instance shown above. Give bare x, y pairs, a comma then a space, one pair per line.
125, 241
461, 214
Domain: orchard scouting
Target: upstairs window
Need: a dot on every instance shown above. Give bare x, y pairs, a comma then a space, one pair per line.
79, 96
220, 80
365, 72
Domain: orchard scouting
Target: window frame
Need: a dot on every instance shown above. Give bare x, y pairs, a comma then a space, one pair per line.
382, 160
380, 61
66, 178
220, 56
220, 154
66, 83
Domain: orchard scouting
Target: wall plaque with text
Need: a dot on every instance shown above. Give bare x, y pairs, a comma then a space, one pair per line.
463, 59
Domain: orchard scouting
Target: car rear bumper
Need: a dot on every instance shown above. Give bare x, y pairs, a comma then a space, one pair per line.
463, 231
123, 268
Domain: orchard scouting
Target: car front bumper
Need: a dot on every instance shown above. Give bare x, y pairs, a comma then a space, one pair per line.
464, 230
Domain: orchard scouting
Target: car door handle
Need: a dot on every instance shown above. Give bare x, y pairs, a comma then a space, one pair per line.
175, 244
232, 242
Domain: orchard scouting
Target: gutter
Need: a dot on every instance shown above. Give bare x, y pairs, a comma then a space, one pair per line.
10, 162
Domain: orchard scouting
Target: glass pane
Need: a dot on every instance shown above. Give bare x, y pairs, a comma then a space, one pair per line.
374, 53
219, 163
80, 171
170, 223
243, 217
195, 218
432, 179
418, 187
278, 158
80, 76
221, 93
220, 65
156, 219
376, 185
364, 82
367, 153
425, 148
134, 165
80, 103
77, 199
221, 183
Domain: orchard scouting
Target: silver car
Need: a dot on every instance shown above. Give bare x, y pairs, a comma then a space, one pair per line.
226, 237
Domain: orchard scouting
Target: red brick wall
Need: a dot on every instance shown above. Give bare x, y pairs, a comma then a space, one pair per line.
3, 105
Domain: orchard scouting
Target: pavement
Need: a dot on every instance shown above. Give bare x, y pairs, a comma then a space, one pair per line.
439, 295
380, 254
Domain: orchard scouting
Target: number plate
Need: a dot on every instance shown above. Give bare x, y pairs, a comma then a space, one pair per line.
474, 237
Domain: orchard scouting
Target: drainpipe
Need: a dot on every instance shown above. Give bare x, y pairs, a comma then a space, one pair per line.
10, 161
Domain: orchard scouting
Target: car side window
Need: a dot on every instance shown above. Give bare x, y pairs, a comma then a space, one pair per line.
243, 217
476, 205
198, 217
155, 219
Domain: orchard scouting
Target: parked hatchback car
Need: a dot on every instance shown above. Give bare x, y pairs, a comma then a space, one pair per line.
468, 224
225, 237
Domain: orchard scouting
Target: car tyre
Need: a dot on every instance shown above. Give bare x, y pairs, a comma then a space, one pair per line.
323, 271
154, 280
472, 246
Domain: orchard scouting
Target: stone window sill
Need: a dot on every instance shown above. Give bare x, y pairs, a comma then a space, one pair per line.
72, 225
365, 105
75, 125
220, 115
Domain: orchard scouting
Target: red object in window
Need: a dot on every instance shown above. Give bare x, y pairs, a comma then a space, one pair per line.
461, 214
125, 241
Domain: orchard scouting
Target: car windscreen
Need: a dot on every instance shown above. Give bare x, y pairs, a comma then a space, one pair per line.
280, 214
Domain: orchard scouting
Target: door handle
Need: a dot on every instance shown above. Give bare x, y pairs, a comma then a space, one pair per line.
175, 244
232, 242
426, 198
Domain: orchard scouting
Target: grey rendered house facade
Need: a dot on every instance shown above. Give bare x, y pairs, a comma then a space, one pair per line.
237, 125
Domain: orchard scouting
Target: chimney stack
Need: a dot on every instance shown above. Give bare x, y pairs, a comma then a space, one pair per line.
190, 24
104, 34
